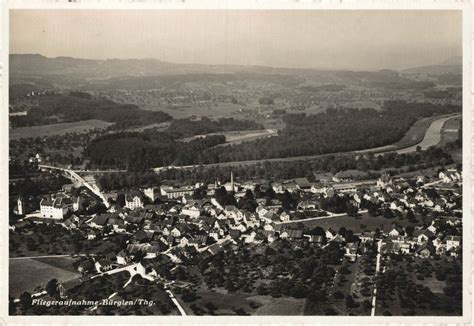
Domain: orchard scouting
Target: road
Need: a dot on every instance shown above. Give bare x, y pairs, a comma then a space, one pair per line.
176, 302
432, 137
74, 176
51, 256
320, 217
377, 270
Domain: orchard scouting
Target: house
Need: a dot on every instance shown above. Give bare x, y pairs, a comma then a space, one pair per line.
423, 237
99, 221
55, 208
134, 200
452, 242
396, 231
284, 217
351, 250
366, 236
292, 234
85, 266
317, 239
234, 234
117, 224
142, 236
151, 193
69, 224
425, 250
173, 193
308, 205
330, 234
151, 267
91, 235
405, 248
103, 265
191, 211
70, 287
137, 218
122, 258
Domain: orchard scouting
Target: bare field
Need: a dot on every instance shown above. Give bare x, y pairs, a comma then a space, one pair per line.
356, 224
278, 306
237, 137
27, 274
57, 129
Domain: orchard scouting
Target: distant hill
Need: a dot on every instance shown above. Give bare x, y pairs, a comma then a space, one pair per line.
450, 66
87, 74
38, 65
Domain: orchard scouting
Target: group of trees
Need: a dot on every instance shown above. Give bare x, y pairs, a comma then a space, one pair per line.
141, 151
413, 295
77, 106
282, 170
186, 127
333, 131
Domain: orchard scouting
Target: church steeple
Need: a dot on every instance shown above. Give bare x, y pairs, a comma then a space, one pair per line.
232, 181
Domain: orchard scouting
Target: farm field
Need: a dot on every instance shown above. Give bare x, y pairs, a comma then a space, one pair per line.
395, 305
211, 111
28, 274
278, 306
57, 129
355, 223
449, 133
238, 303
65, 263
236, 137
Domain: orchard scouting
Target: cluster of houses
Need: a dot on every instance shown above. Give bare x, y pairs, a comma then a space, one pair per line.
180, 228
423, 242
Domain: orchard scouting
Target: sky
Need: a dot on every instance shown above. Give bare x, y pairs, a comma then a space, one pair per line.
356, 40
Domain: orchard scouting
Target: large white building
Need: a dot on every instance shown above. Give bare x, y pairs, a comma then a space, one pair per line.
134, 201
55, 208
172, 192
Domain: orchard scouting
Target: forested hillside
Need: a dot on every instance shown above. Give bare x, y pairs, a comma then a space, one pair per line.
332, 131
77, 106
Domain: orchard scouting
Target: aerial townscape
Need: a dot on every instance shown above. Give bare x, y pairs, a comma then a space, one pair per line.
144, 187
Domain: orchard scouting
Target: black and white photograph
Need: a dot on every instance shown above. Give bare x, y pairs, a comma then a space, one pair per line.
236, 162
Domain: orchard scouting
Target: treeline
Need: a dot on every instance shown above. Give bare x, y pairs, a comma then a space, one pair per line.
333, 131
141, 151
186, 127
282, 170
77, 106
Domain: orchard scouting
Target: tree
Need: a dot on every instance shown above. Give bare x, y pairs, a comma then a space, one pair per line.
52, 287
351, 209
26, 300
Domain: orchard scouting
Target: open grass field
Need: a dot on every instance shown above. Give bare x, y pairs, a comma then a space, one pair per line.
65, 263
278, 306
27, 274
211, 111
229, 303
57, 129
355, 223
449, 133
237, 137
393, 304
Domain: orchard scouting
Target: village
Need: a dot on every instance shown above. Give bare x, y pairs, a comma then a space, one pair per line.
168, 227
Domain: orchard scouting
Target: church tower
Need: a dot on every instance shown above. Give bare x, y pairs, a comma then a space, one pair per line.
19, 206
